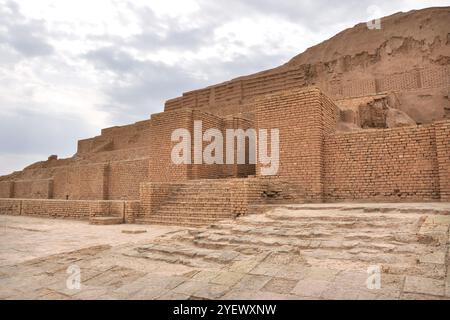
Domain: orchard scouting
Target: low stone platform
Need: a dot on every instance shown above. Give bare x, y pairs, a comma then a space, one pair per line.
289, 252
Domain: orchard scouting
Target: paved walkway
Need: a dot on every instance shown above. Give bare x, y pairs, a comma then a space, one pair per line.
333, 251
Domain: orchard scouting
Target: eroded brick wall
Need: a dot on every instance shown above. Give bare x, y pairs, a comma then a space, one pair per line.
153, 194
161, 167
6, 189
80, 182
79, 210
442, 138
302, 118
33, 189
203, 170
70, 209
390, 164
12, 207
124, 178
232, 97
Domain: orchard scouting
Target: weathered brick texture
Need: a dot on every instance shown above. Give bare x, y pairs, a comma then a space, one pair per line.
392, 164
233, 97
70, 209
124, 178
442, 136
6, 189
80, 182
33, 189
302, 117
197, 202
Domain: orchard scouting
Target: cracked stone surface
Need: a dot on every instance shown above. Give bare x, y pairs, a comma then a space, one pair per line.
310, 251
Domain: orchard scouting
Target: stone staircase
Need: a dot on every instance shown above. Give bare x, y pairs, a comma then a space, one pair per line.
192, 204
404, 241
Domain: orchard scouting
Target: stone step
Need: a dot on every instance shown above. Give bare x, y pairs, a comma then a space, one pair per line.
106, 220
187, 255
369, 208
177, 220
207, 240
344, 226
194, 203
397, 237
214, 216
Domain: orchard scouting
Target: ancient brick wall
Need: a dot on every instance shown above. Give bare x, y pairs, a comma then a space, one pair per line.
442, 138
359, 88
132, 210
12, 207
161, 167
116, 155
69, 209
239, 170
6, 189
302, 117
399, 81
390, 164
244, 192
79, 210
124, 178
117, 138
230, 97
203, 170
86, 182
435, 77
33, 189
107, 209
152, 195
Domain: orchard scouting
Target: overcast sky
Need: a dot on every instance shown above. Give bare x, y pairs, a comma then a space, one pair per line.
70, 68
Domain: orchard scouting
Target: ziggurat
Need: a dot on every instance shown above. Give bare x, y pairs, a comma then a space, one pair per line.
363, 116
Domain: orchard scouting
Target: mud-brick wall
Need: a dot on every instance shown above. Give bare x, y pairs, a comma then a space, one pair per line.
12, 207
202, 170
70, 209
87, 182
391, 164
161, 167
153, 194
79, 210
124, 178
33, 189
442, 136
302, 118
6, 189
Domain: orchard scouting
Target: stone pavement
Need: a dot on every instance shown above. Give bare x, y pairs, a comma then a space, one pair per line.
289, 252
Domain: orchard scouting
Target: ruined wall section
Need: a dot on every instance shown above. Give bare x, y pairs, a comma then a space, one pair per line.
161, 167
124, 178
33, 189
135, 135
302, 118
442, 139
80, 182
6, 189
235, 96
386, 165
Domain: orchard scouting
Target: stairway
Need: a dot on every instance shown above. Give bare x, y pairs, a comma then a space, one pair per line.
403, 241
194, 203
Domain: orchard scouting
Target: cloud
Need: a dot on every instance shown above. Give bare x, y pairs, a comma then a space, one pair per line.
26, 36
